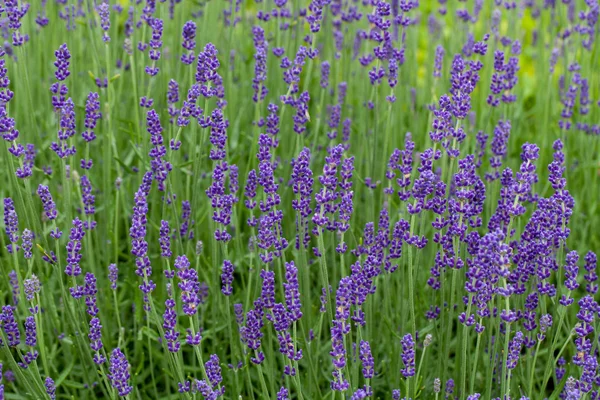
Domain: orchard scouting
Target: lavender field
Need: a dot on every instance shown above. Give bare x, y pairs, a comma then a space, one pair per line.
294, 199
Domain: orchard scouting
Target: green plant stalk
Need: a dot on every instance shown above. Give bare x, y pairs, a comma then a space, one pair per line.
38, 322
261, 378
531, 374
324, 275
465, 340
506, 373
551, 360
419, 372
475, 360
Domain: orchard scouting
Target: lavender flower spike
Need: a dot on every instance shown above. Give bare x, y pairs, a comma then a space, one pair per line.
119, 372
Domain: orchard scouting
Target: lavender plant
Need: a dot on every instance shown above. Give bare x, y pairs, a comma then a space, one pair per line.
429, 170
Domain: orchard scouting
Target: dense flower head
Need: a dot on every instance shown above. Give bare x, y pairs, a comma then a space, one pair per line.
260, 64
66, 130
119, 372
227, 278
188, 284
88, 200
367, 360
160, 167
31, 287
92, 115
408, 355
206, 72
499, 147
10, 326
170, 322
11, 223
104, 13
514, 350
302, 185
213, 371
221, 201
113, 275
73, 269
189, 42
50, 388
62, 62
571, 270
186, 230
591, 276
137, 233
95, 337
156, 24
27, 243
292, 292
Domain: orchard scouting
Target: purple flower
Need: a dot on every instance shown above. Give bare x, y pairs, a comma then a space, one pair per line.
156, 24
514, 350
283, 394
31, 287
260, 64
408, 355
92, 115
292, 292
499, 148
213, 371
26, 170
88, 200
250, 194
590, 266
30, 332
160, 167
62, 62
113, 275
95, 337
72, 268
268, 289
170, 322
137, 232
10, 326
325, 68
119, 372
227, 278
463, 83
66, 130
189, 42
13, 281
165, 239
439, 57
221, 202
301, 118
11, 223
104, 13
186, 231
206, 72
188, 285
27, 243
251, 333
172, 99
302, 185
571, 270
218, 135
50, 388
367, 360
90, 291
